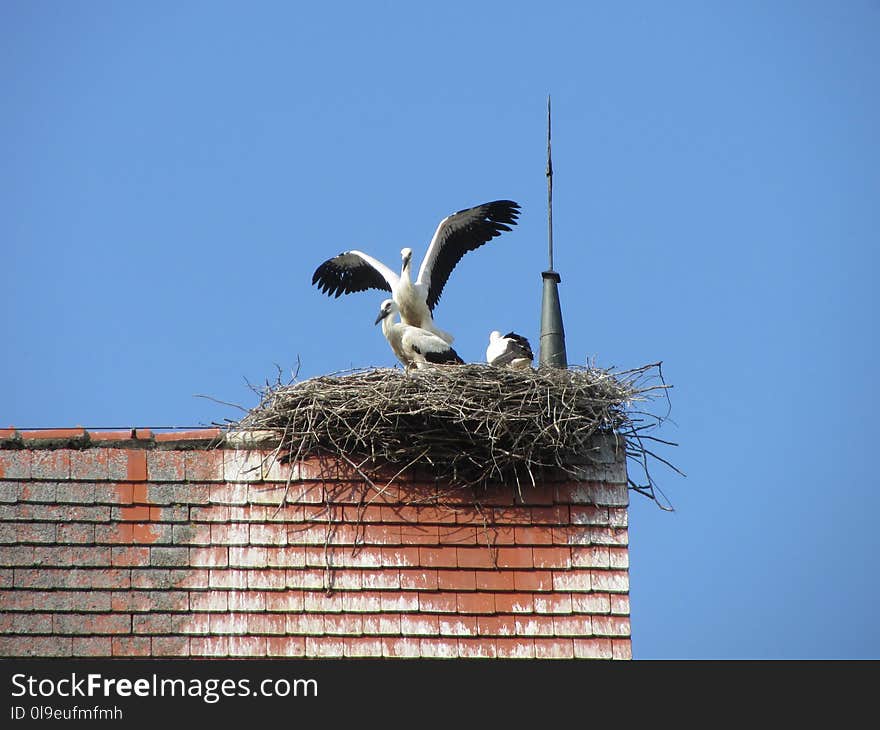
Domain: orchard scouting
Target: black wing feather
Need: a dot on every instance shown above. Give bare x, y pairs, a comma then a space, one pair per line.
465, 231
519, 345
444, 357
347, 273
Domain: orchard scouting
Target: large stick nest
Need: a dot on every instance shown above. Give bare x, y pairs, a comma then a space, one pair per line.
469, 424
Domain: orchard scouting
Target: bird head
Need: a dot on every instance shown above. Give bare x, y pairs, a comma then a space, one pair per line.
406, 256
494, 335
387, 308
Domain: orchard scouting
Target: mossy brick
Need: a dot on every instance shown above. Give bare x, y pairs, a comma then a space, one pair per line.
61, 601
190, 579
35, 532
151, 578
35, 646
128, 646
9, 491
204, 466
38, 492
15, 464
92, 646
16, 555
84, 513
169, 556
159, 494
169, 646
151, 623
106, 623
25, 578
128, 465
138, 513
90, 464
191, 534
109, 578
75, 493
90, 556
169, 601
50, 465
166, 466
75, 533
191, 494
171, 513
190, 624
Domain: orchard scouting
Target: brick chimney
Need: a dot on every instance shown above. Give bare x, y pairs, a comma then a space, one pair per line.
179, 545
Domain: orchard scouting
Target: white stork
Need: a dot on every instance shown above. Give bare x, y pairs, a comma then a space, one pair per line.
414, 346
466, 230
511, 349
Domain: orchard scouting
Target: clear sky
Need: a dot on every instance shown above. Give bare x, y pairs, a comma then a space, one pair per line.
171, 174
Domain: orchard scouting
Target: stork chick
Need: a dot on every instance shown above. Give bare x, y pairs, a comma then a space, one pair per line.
511, 349
414, 346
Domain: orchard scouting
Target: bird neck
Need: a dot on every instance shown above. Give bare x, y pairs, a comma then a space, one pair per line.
405, 276
388, 326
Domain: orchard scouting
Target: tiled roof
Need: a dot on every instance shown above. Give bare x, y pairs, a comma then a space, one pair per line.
135, 543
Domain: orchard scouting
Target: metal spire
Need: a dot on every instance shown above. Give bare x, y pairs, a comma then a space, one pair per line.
552, 352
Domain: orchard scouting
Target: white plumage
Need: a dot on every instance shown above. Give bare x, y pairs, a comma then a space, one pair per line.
511, 349
463, 231
414, 346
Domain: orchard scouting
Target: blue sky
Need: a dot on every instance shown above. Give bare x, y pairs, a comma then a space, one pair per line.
172, 174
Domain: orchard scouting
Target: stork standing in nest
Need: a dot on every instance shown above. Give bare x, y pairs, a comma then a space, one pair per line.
414, 346
466, 230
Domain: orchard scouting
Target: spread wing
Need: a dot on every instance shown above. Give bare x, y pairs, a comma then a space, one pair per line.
353, 271
459, 233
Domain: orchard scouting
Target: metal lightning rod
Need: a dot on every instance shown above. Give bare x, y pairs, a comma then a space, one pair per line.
552, 352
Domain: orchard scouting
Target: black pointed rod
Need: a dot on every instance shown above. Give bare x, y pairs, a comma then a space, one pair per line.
552, 344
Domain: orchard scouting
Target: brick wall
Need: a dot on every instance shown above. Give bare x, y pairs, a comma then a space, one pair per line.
175, 544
